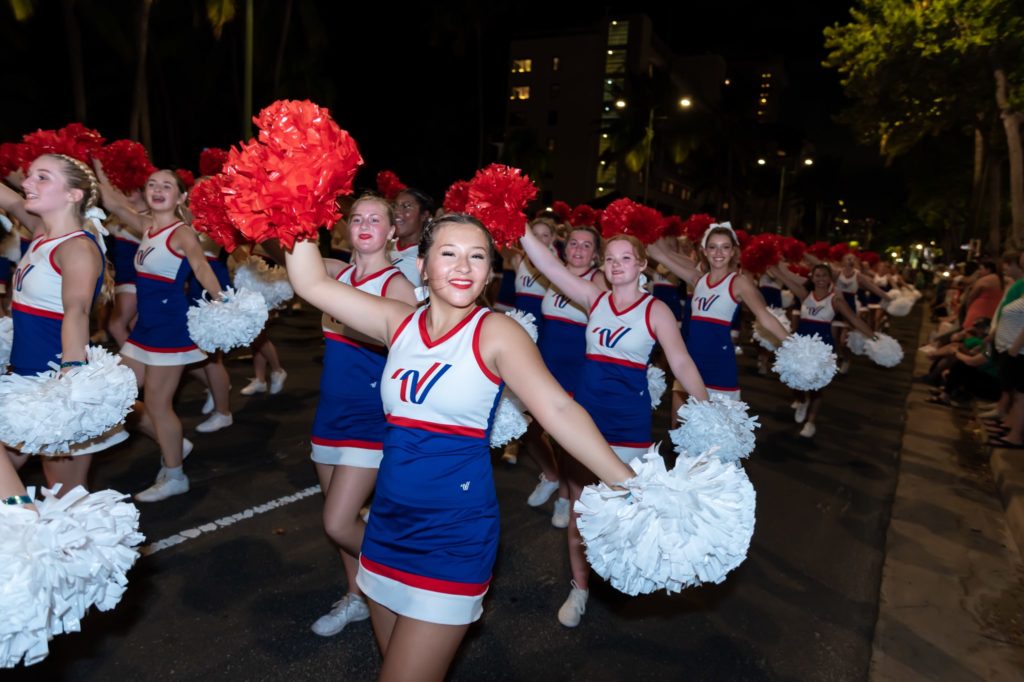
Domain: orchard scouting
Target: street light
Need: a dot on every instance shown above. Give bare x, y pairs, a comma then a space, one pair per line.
620, 104
761, 162
782, 182
808, 162
685, 103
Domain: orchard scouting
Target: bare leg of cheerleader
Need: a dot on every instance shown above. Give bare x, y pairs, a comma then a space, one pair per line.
17, 459
68, 471
123, 317
10, 482
578, 565
161, 384
349, 489
414, 649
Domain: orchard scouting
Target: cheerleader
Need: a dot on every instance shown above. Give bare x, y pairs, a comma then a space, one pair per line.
413, 210
159, 348
432, 536
622, 328
716, 296
562, 343
55, 285
349, 424
530, 284
126, 243
818, 309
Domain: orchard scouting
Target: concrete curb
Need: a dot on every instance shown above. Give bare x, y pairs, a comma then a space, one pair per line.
1008, 472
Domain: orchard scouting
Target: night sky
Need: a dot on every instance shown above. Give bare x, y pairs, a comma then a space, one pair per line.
402, 81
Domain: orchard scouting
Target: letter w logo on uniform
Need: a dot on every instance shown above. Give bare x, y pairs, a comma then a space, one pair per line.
20, 275
704, 303
415, 388
142, 254
609, 338
815, 310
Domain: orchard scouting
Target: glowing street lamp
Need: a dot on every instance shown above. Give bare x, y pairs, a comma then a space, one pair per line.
686, 103
620, 104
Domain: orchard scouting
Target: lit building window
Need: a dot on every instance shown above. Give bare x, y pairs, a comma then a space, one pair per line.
618, 33
522, 65
520, 92
764, 101
554, 63
615, 62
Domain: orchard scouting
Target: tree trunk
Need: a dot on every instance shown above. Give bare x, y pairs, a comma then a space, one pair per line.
1011, 123
279, 62
995, 211
139, 104
74, 38
978, 177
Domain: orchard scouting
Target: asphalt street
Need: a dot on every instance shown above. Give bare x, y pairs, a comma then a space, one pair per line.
239, 567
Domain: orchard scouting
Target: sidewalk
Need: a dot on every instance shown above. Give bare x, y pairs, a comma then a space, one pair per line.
951, 604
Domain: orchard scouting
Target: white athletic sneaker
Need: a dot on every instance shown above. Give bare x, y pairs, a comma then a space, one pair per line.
163, 488
560, 517
186, 450
574, 607
801, 412
255, 386
349, 609
208, 405
543, 492
808, 430
277, 381
215, 422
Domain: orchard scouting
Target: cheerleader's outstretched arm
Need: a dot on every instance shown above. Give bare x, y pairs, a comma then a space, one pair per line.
869, 284
752, 298
676, 263
839, 305
117, 203
666, 330
579, 291
14, 204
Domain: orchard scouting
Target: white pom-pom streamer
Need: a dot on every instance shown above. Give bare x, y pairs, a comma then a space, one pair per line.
656, 384
886, 351
526, 320
10, 246
6, 341
509, 421
225, 324
669, 529
805, 363
720, 423
765, 337
899, 306
58, 562
856, 342
49, 412
270, 282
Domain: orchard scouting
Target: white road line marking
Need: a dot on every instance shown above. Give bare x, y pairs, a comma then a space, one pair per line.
224, 522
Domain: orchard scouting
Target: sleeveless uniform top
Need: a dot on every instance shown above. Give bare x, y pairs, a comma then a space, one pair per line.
664, 288
432, 537
349, 425
556, 307
613, 387
37, 306
125, 246
212, 251
848, 287
816, 317
562, 340
530, 289
404, 258
771, 290
709, 341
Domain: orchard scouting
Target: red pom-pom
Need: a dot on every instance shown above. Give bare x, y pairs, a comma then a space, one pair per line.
186, 177
562, 210
742, 237
585, 216
761, 252
625, 216
388, 185
800, 270
74, 140
126, 163
497, 197
210, 216
673, 226
819, 250
792, 249
456, 197
212, 160
696, 225
837, 251
285, 184
13, 155
870, 257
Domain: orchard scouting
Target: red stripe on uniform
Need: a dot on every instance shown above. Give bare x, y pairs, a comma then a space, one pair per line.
332, 443
158, 278
724, 323
630, 445
434, 427
423, 582
151, 349
38, 312
616, 361
341, 338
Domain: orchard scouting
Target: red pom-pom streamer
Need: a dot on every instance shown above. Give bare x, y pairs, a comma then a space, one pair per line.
792, 249
186, 177
212, 160
819, 250
285, 184
562, 210
585, 216
13, 155
74, 140
760, 253
837, 251
673, 226
696, 225
742, 237
625, 216
388, 185
126, 163
456, 197
210, 216
497, 197
800, 270
870, 257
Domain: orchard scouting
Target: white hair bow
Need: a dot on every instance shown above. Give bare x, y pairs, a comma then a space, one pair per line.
727, 225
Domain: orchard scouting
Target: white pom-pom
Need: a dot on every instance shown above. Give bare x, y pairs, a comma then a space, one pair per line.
668, 529
49, 412
856, 342
58, 562
225, 324
6, 341
899, 306
805, 363
509, 421
765, 337
526, 320
720, 423
886, 351
656, 384
11, 246
270, 282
